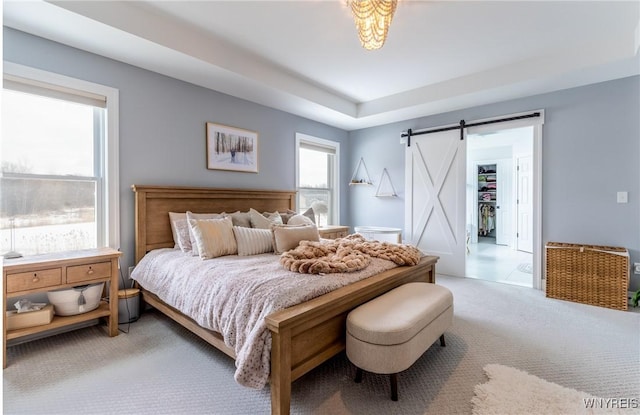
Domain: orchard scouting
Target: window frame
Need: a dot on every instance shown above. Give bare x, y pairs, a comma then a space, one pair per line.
334, 217
107, 153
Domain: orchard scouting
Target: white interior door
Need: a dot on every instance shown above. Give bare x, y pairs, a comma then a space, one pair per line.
504, 197
435, 167
525, 204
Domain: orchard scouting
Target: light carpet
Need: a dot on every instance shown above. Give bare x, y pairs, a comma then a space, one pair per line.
160, 368
512, 391
525, 267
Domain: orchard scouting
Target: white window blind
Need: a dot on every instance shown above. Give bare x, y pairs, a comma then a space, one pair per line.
31, 86
317, 147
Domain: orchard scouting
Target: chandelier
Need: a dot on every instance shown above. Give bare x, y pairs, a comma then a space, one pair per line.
373, 18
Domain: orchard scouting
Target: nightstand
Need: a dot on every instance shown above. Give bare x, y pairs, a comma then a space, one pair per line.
41, 273
333, 232
379, 233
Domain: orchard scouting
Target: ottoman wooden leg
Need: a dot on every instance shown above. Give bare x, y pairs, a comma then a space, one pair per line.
358, 375
394, 386
442, 341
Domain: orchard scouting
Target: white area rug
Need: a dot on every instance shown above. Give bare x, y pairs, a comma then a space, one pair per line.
512, 391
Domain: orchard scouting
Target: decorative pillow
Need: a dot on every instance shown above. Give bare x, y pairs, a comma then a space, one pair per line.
299, 220
259, 221
286, 237
184, 239
252, 241
240, 218
286, 215
214, 237
173, 218
197, 216
191, 215
310, 214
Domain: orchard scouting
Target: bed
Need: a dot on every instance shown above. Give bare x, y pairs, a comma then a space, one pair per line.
303, 336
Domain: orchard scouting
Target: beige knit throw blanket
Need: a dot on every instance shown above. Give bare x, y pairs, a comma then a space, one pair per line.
348, 254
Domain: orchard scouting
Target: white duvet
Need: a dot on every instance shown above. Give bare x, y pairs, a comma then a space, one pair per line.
232, 295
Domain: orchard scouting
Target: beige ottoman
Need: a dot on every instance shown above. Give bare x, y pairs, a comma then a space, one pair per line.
389, 333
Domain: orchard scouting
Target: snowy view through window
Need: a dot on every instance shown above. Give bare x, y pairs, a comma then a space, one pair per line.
50, 174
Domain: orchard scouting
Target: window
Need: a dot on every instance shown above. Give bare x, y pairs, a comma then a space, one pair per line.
317, 177
58, 182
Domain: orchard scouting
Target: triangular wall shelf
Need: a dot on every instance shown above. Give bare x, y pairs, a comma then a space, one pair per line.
359, 177
385, 187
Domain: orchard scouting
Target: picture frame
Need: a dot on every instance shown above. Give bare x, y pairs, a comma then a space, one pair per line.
231, 148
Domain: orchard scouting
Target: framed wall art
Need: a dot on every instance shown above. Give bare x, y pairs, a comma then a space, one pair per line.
230, 148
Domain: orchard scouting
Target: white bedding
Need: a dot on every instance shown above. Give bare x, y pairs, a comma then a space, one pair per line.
232, 295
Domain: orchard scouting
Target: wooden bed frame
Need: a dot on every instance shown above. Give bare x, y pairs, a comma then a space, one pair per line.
303, 336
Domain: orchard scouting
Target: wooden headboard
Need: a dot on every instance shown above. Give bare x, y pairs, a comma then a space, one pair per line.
153, 204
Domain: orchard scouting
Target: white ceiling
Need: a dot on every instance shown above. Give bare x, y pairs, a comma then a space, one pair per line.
304, 57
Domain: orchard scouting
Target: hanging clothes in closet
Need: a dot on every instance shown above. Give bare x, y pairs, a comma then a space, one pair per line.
486, 215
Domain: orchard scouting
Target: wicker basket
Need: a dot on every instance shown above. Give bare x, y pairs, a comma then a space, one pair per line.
589, 274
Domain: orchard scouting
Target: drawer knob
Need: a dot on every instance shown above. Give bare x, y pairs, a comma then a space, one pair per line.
35, 277
90, 271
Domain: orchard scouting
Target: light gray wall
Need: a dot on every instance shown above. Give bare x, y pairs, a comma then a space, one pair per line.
591, 150
162, 127
591, 145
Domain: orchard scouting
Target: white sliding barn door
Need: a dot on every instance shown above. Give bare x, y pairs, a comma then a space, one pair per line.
435, 168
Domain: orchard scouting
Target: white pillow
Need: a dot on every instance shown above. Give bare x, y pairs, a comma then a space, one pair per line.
286, 215
214, 237
286, 237
184, 238
259, 221
173, 218
240, 218
252, 241
191, 215
310, 214
299, 220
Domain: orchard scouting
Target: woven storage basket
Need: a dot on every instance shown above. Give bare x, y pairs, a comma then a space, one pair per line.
589, 274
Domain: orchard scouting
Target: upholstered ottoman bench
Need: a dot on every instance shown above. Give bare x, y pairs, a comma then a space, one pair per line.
389, 333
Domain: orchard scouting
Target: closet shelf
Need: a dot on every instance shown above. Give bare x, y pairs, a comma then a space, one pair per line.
487, 192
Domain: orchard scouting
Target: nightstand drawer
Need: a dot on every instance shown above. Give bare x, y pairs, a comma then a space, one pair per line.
88, 272
333, 232
25, 281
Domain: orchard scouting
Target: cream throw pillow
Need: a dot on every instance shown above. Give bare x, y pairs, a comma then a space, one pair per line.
252, 241
214, 237
299, 220
190, 215
286, 215
240, 218
259, 221
173, 218
286, 237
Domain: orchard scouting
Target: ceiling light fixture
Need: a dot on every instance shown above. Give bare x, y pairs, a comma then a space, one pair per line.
373, 18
